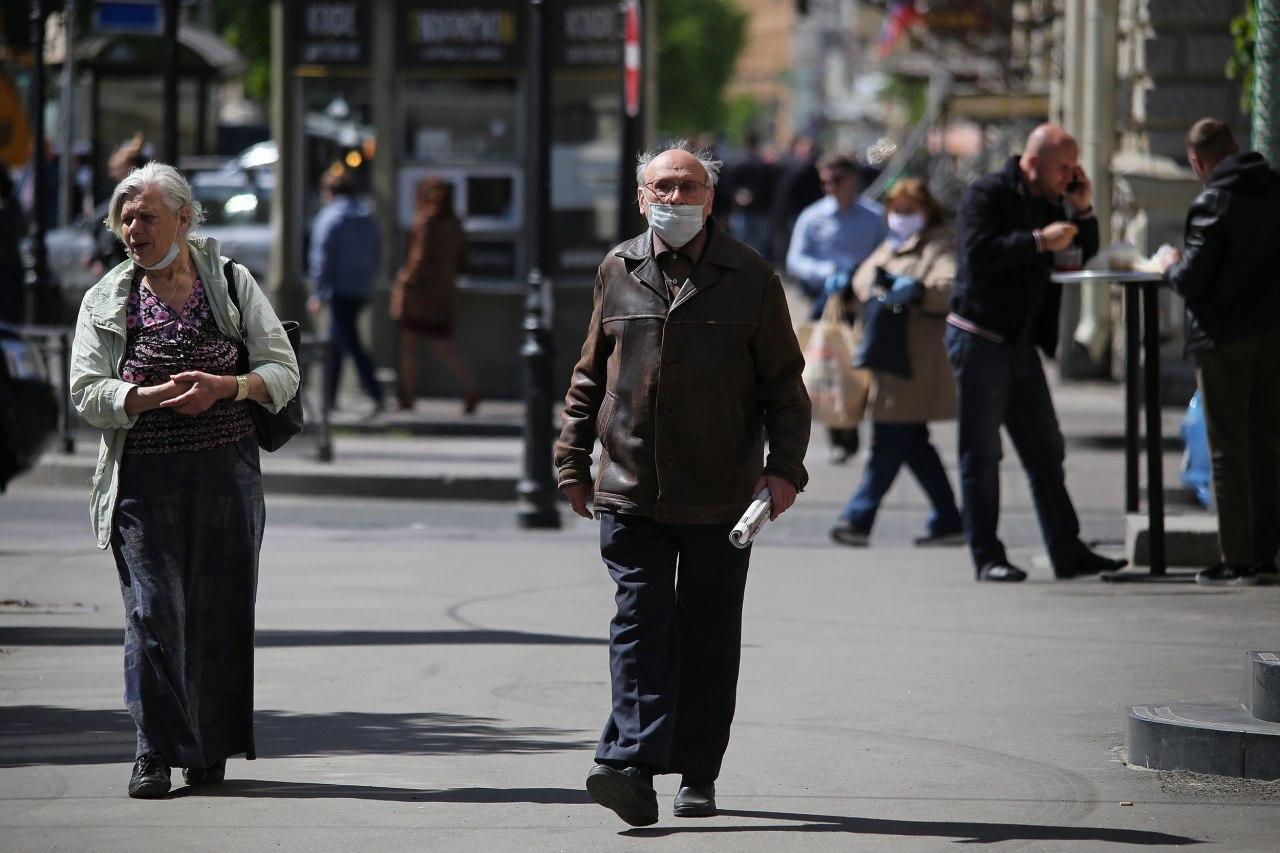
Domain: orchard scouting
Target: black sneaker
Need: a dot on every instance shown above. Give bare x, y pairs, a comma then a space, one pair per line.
845, 533
628, 792
940, 540
1092, 563
1002, 573
1221, 574
150, 778
695, 799
211, 775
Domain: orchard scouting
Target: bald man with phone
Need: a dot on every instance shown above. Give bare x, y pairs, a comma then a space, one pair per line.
1009, 225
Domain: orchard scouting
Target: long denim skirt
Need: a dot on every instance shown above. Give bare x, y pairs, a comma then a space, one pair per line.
186, 536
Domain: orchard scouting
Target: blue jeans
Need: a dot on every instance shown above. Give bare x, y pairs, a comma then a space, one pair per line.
999, 385
892, 446
344, 340
674, 643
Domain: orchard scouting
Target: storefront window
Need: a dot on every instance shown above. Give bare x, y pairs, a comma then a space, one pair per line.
461, 121
584, 171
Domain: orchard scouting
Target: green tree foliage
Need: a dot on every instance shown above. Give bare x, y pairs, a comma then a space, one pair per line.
1244, 29
247, 28
698, 46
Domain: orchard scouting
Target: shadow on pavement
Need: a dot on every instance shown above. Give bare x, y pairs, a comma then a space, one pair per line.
960, 831
12, 635
40, 734
253, 788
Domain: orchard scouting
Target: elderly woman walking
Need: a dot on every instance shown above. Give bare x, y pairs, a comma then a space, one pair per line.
913, 269
177, 493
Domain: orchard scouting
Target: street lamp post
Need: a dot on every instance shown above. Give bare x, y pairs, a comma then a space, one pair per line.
39, 303
536, 491
171, 82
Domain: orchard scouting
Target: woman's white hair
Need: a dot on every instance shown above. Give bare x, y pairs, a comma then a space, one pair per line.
173, 187
703, 156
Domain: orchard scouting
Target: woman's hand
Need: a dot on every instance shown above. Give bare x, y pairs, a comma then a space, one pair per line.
144, 398
204, 390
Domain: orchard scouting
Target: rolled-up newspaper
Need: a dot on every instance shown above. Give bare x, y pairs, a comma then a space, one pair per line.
753, 520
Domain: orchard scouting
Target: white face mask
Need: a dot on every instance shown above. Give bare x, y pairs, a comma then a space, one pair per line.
676, 224
163, 262
904, 226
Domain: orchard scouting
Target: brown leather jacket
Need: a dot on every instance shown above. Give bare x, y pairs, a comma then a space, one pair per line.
682, 394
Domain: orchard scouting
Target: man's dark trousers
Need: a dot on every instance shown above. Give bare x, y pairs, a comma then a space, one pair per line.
1005, 385
674, 644
1240, 388
344, 340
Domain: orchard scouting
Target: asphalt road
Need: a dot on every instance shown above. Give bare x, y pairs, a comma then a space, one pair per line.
430, 677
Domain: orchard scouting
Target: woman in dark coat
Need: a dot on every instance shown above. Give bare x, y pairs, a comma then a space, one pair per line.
424, 298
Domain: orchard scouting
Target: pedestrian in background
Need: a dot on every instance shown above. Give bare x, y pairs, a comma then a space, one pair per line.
689, 363
346, 252
1008, 226
750, 181
798, 187
178, 491
916, 267
13, 228
832, 237
424, 297
1227, 276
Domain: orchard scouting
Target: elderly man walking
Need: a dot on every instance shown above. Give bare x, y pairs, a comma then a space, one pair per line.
1228, 278
689, 363
1008, 226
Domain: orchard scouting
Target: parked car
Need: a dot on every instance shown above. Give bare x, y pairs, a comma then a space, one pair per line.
237, 209
28, 405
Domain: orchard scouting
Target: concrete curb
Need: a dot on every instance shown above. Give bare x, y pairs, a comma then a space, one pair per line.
55, 471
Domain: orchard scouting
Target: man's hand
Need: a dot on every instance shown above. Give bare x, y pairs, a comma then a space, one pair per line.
1080, 190
1166, 256
578, 495
205, 390
314, 304
1057, 236
782, 489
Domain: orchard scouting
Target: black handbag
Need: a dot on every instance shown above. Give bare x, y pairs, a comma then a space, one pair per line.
884, 333
272, 429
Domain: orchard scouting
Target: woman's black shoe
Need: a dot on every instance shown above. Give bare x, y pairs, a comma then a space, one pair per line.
150, 778
211, 775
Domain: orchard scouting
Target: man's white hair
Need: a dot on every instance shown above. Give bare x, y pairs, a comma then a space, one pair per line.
173, 187
703, 156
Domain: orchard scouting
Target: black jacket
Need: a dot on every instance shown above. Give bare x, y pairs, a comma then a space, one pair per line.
1002, 280
1230, 270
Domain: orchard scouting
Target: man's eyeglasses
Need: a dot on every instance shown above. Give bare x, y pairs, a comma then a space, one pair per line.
664, 188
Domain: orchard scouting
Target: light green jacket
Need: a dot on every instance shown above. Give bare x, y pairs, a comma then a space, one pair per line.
98, 392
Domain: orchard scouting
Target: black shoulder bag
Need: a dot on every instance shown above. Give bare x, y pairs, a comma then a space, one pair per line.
273, 430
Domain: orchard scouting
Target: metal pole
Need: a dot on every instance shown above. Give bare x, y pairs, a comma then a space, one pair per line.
67, 172
628, 211
1155, 461
1266, 82
171, 82
38, 307
536, 491
1131, 360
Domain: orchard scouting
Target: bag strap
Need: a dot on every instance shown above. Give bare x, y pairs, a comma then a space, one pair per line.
229, 273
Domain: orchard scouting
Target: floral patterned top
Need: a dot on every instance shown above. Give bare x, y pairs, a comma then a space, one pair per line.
160, 342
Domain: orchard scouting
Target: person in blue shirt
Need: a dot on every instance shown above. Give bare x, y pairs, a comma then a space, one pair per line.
835, 234
831, 238
345, 254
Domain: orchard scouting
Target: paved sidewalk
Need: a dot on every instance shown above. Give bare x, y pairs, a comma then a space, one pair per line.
430, 677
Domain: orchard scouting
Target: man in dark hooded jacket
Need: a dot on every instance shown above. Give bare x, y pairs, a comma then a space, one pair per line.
1229, 275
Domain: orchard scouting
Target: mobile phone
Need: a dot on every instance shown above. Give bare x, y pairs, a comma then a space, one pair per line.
1077, 180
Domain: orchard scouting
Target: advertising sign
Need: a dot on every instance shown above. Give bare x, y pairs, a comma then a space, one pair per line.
333, 32
588, 34
475, 33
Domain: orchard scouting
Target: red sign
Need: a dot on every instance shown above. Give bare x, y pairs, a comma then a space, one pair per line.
631, 57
